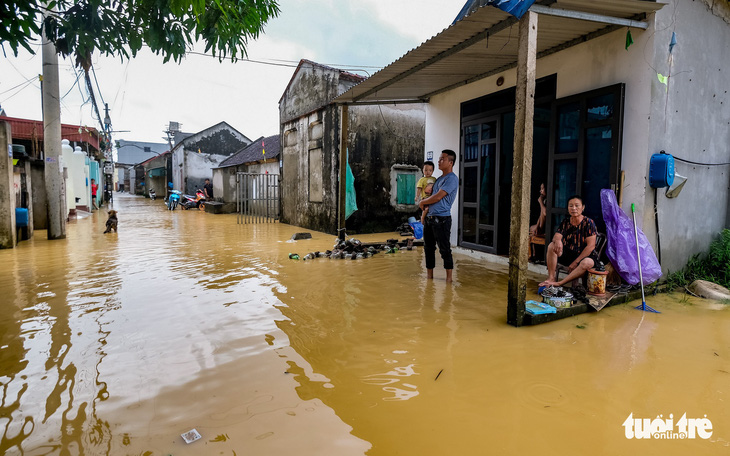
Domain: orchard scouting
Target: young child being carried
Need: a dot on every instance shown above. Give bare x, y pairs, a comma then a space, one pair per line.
428, 190
424, 186
427, 178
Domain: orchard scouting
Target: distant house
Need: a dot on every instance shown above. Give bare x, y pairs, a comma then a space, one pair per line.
261, 157
25, 186
131, 153
195, 156
385, 145
155, 171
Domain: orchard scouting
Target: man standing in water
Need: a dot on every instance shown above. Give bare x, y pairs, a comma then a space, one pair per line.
208, 190
437, 230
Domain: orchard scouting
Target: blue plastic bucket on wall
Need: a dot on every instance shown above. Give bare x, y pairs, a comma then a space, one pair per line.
661, 170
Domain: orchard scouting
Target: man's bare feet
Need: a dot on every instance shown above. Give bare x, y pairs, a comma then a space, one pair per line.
449, 275
549, 283
429, 274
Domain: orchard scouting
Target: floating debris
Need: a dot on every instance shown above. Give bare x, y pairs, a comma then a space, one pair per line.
354, 249
191, 436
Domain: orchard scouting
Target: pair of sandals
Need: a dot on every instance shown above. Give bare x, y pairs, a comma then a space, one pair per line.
580, 293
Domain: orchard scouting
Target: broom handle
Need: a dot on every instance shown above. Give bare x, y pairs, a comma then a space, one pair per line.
638, 255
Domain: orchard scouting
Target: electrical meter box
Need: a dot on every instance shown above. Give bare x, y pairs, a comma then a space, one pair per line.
661, 170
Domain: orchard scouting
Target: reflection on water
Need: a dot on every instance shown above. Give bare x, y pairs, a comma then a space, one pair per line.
118, 343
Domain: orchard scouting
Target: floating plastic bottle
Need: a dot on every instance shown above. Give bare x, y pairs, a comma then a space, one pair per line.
293, 256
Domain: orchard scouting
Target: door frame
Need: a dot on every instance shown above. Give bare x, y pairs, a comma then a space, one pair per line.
616, 122
479, 120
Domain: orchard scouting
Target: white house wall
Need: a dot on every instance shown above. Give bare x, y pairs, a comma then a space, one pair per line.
199, 166
224, 179
597, 63
692, 121
224, 183
177, 170
264, 168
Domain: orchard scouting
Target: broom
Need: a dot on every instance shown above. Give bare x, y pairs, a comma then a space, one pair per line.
643, 305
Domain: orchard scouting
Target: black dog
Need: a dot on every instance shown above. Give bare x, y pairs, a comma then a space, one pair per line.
111, 223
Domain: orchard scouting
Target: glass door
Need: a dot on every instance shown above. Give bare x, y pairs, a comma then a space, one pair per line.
479, 191
585, 152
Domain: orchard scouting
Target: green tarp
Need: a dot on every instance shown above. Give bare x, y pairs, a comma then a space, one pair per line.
350, 200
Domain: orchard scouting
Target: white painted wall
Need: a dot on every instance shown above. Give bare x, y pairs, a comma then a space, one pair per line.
224, 179
177, 169
67, 153
80, 178
198, 167
691, 120
263, 168
224, 183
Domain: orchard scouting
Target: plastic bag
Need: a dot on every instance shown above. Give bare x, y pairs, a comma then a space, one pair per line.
621, 247
417, 229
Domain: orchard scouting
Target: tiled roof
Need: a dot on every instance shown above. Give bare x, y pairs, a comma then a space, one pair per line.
254, 152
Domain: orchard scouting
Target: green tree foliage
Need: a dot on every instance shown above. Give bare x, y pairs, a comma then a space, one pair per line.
121, 27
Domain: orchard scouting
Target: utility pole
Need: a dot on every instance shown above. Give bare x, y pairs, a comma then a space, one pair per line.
522, 168
55, 191
108, 140
342, 200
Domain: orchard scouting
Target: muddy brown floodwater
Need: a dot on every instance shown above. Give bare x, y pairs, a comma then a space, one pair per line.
117, 344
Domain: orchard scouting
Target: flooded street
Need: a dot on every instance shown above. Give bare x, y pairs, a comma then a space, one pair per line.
116, 344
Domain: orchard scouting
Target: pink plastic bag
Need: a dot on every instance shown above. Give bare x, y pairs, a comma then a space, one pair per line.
621, 246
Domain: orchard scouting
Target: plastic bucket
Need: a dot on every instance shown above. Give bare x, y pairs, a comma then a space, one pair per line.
596, 282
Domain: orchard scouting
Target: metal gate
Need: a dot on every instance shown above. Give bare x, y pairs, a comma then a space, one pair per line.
257, 198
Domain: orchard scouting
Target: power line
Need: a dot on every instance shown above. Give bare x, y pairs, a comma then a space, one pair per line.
25, 85
93, 98
72, 86
27, 81
97, 84
331, 64
293, 64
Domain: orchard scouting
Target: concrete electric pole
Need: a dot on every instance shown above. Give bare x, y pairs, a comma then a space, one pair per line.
109, 177
52, 143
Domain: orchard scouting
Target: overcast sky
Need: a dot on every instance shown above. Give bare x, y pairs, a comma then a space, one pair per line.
144, 94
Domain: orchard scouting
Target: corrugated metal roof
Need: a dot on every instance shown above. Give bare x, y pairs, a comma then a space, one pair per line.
485, 43
33, 130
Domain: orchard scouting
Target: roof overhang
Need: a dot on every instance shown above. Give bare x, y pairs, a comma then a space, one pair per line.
484, 43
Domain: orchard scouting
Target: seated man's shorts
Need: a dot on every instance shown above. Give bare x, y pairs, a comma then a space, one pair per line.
569, 256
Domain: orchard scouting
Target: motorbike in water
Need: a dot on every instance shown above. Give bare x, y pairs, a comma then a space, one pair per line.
192, 202
153, 195
173, 200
